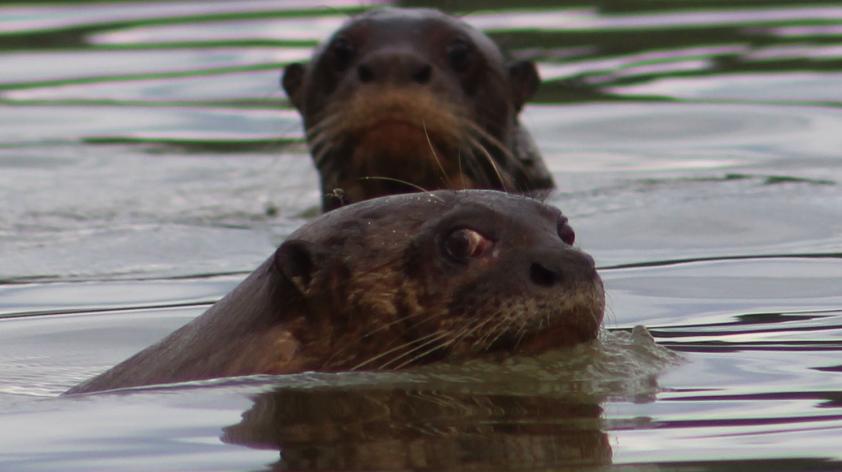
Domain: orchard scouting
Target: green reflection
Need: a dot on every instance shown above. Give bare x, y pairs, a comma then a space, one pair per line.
618, 44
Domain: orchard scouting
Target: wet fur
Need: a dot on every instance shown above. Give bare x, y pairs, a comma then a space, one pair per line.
367, 287
457, 130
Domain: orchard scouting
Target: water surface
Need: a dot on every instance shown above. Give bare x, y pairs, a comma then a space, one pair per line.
149, 160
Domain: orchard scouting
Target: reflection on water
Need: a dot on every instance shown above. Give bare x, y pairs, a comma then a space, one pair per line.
380, 430
148, 160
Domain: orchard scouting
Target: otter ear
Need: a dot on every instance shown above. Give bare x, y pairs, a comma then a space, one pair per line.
523, 75
291, 81
299, 261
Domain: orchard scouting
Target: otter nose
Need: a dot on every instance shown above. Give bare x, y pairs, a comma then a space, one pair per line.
544, 276
397, 67
561, 268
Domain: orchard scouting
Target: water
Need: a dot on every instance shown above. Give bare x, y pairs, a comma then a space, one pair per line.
149, 160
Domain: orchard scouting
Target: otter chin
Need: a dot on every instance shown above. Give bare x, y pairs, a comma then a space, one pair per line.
391, 283
402, 99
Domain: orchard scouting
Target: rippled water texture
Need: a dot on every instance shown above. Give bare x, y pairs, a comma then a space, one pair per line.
149, 160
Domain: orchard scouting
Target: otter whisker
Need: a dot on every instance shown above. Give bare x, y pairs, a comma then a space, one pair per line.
322, 141
391, 323
320, 148
459, 167
349, 346
440, 336
477, 145
521, 332
394, 349
473, 166
498, 329
425, 317
485, 135
326, 126
433, 152
401, 181
325, 130
425, 353
319, 126
424, 340
481, 342
319, 155
471, 330
501, 320
464, 331
502, 329
591, 299
331, 113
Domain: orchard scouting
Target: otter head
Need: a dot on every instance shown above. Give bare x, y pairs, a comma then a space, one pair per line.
409, 279
399, 99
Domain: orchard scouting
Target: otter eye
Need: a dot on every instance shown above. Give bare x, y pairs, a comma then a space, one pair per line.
463, 244
459, 54
565, 232
343, 52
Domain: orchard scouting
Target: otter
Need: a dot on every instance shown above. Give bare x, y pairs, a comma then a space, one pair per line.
404, 99
390, 283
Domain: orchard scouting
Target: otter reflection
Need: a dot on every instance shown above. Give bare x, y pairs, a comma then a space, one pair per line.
388, 429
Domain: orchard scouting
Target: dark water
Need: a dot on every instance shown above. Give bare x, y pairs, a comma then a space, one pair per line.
148, 161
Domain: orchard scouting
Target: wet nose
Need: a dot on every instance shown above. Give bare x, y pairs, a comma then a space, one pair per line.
397, 67
563, 267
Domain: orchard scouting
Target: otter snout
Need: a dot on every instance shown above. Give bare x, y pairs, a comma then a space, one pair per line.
397, 67
565, 267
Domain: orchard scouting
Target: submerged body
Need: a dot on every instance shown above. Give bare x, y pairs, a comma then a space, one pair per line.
401, 99
390, 283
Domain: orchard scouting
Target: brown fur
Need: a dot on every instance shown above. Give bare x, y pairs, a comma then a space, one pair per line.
399, 99
372, 286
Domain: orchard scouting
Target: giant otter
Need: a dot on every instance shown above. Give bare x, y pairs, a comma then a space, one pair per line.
389, 283
402, 99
